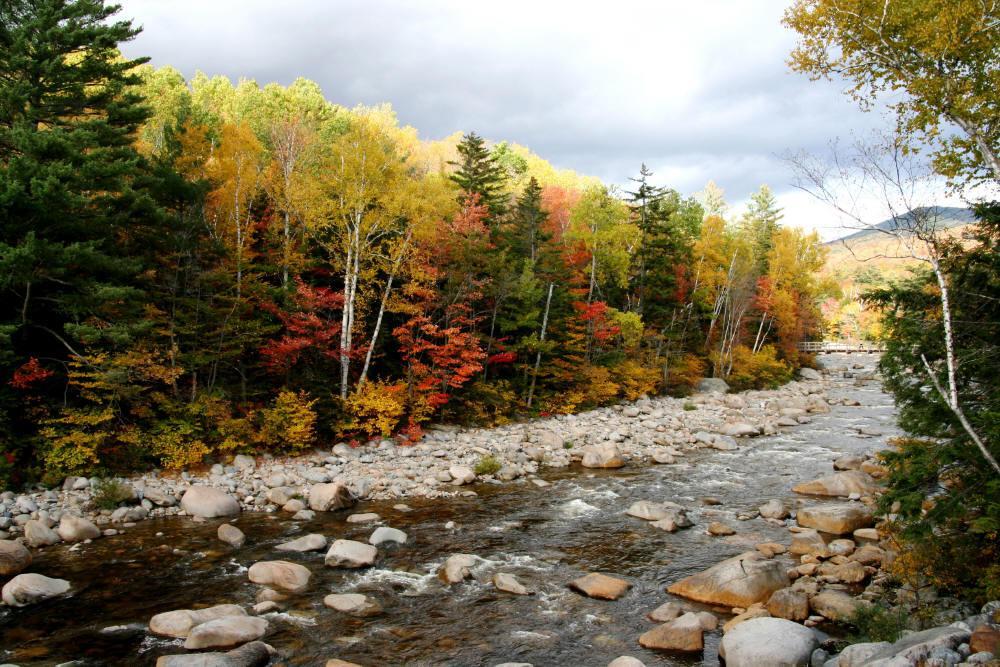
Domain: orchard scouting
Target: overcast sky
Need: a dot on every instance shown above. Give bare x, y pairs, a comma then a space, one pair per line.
696, 90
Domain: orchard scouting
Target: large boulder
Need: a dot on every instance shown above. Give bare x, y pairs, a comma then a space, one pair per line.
77, 529
790, 604
14, 558
457, 568
808, 541
384, 534
600, 586
773, 509
735, 582
231, 535
648, 510
857, 655
348, 553
681, 634
712, 384
604, 455
355, 604
254, 654
810, 374
768, 642
280, 574
835, 605
509, 584
838, 518
330, 497
37, 534
179, 622
225, 632
310, 542
208, 502
840, 484
29, 588
914, 649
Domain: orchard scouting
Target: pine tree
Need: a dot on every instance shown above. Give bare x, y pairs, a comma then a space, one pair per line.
478, 172
525, 235
645, 202
75, 196
761, 222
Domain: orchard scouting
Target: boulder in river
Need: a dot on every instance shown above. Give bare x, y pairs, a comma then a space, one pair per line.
280, 574
77, 529
14, 557
509, 584
773, 509
329, 497
626, 661
838, 518
600, 586
179, 622
208, 502
735, 582
808, 541
681, 634
37, 534
768, 642
915, 648
355, 604
839, 484
348, 553
225, 632
717, 528
666, 612
384, 534
254, 654
29, 588
603, 455
457, 568
310, 542
648, 510
231, 535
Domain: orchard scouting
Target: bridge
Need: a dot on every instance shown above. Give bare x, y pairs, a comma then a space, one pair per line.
848, 346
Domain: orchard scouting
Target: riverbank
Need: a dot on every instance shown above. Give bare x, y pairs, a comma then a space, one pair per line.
445, 575
651, 430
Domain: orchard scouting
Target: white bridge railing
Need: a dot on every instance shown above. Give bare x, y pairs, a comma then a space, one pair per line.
840, 346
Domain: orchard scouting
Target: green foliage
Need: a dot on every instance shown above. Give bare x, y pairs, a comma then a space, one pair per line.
948, 524
690, 407
487, 465
877, 623
109, 493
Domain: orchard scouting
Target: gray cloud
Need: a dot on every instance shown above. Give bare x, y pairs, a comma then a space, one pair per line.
696, 92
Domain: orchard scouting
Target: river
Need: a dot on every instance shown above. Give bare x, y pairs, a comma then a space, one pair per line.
545, 536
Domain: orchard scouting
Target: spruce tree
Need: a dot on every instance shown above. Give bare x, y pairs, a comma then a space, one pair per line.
645, 202
525, 232
479, 173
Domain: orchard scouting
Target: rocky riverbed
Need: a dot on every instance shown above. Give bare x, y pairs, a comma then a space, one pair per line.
648, 533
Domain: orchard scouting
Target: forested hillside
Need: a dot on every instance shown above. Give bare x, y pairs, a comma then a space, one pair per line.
197, 267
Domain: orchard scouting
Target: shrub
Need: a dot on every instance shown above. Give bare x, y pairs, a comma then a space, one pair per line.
688, 407
683, 373
636, 379
488, 465
289, 423
760, 370
376, 408
877, 623
110, 493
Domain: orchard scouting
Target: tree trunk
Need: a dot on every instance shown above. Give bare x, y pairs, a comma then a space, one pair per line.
541, 339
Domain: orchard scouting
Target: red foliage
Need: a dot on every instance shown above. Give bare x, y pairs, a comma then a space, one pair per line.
311, 327
29, 374
557, 203
501, 358
596, 313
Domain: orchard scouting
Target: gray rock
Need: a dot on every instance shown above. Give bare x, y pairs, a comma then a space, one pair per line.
384, 534
712, 385
457, 568
348, 553
226, 631
856, 655
773, 509
767, 642
330, 497
231, 535
280, 574
810, 374
254, 654
208, 502
509, 584
355, 604
14, 558
919, 645
311, 542
29, 588
37, 534
179, 622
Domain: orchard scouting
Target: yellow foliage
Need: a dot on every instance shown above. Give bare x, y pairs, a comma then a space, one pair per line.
377, 407
757, 371
685, 372
76, 437
176, 448
636, 379
290, 422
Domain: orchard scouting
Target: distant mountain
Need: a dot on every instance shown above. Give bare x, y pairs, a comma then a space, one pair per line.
946, 217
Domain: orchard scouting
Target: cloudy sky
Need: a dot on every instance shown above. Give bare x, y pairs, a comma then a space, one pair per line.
697, 90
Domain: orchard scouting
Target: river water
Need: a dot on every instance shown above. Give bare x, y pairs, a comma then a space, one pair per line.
544, 536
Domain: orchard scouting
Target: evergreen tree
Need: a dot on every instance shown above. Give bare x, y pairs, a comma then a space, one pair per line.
525, 235
761, 221
77, 214
479, 173
645, 201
